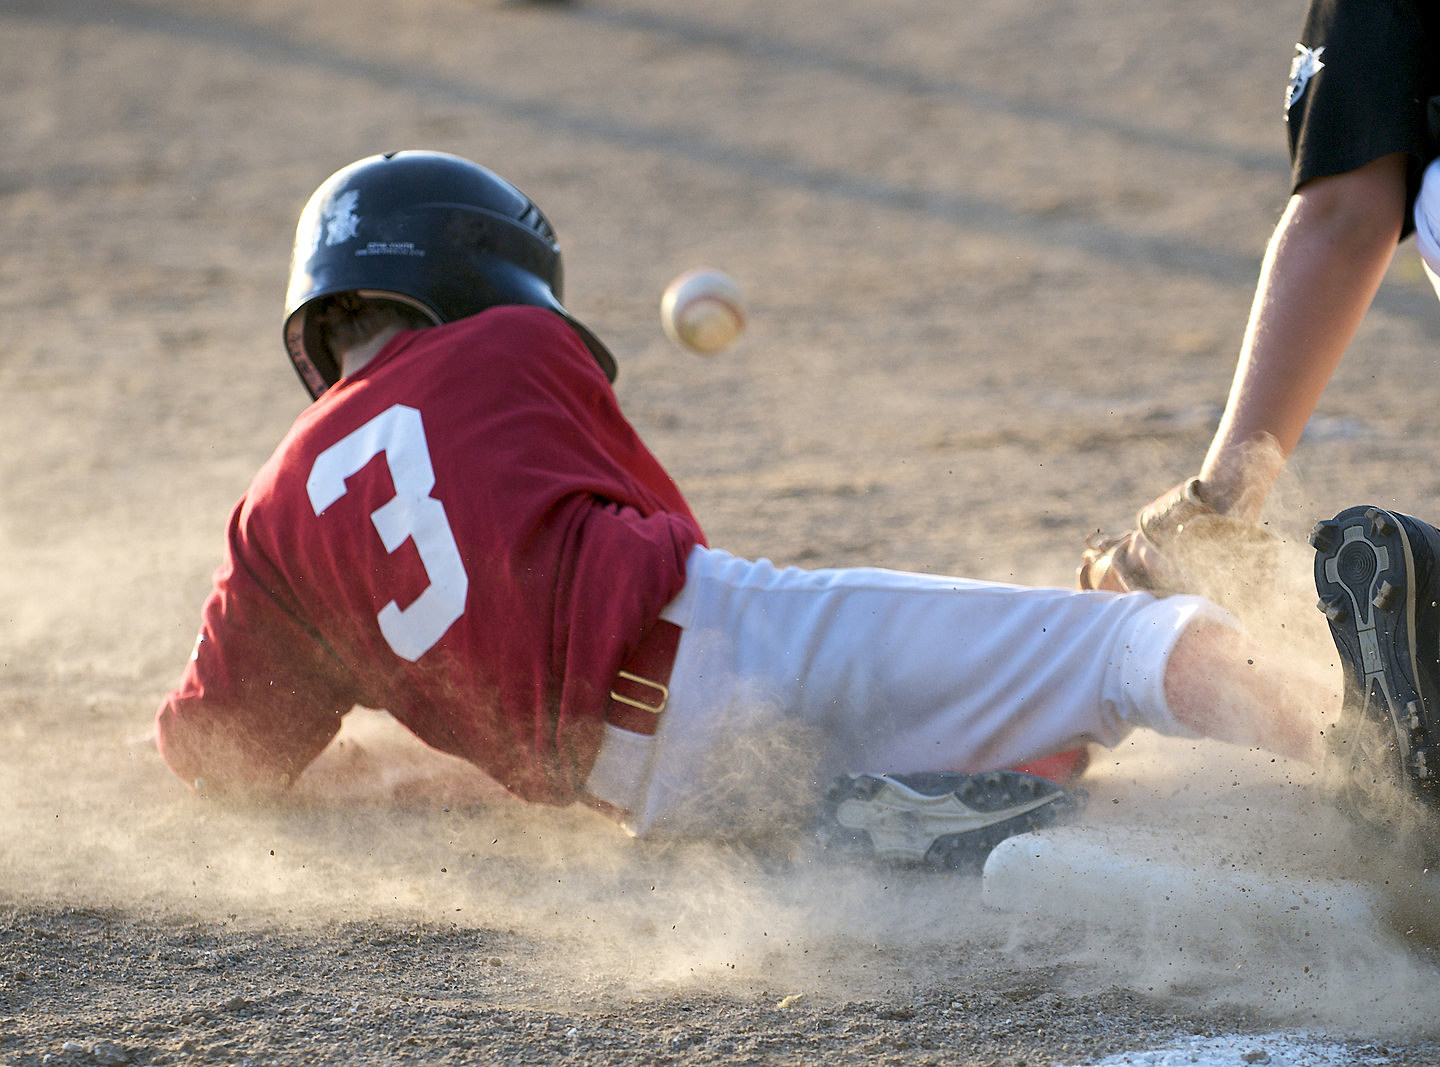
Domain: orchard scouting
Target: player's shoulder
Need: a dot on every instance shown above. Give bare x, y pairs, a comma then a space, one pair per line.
513, 345
498, 341
489, 360
517, 324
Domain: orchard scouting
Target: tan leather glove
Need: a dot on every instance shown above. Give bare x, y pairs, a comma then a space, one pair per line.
1180, 545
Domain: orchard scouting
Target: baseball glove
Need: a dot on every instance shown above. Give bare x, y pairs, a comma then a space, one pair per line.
1180, 544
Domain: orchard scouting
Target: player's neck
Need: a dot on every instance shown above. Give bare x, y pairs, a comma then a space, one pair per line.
356, 357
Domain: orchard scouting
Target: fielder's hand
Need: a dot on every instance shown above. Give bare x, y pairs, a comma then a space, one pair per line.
1180, 545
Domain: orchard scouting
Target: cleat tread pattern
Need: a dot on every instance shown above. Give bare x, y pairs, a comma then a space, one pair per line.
1372, 568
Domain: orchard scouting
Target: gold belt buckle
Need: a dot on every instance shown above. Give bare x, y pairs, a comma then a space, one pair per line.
654, 709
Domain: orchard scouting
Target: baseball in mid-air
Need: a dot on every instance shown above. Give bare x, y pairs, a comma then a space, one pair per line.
702, 310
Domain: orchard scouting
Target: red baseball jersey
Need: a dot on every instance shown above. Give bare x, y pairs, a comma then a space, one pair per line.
467, 533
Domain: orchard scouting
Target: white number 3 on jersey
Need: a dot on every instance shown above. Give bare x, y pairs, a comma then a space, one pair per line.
411, 514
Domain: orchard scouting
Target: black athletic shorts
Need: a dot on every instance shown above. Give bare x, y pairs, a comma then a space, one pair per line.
1365, 82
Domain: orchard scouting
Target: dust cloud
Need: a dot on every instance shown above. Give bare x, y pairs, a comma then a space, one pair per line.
97, 821
94, 819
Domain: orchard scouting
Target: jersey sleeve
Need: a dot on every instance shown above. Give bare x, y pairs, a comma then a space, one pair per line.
260, 698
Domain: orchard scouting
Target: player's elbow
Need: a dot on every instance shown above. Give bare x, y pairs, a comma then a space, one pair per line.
215, 762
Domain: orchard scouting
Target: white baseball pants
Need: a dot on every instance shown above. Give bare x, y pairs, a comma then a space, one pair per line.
786, 677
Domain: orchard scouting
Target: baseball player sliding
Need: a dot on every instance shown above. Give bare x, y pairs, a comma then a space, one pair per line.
463, 529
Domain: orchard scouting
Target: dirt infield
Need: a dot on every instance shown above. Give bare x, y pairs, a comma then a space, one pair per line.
998, 256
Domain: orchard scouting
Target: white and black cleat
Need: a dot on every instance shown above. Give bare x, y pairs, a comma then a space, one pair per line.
1376, 575
939, 819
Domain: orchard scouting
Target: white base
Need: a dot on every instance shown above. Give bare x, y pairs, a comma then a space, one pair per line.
1128, 877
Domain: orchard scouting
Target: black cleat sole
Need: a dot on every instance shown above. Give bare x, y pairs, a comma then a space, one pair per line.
1366, 578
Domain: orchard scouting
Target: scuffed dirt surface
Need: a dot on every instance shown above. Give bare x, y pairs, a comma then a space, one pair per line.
998, 257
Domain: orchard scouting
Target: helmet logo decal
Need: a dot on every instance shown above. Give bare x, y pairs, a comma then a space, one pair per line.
339, 220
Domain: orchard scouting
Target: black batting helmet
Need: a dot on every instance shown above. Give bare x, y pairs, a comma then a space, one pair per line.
431, 230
